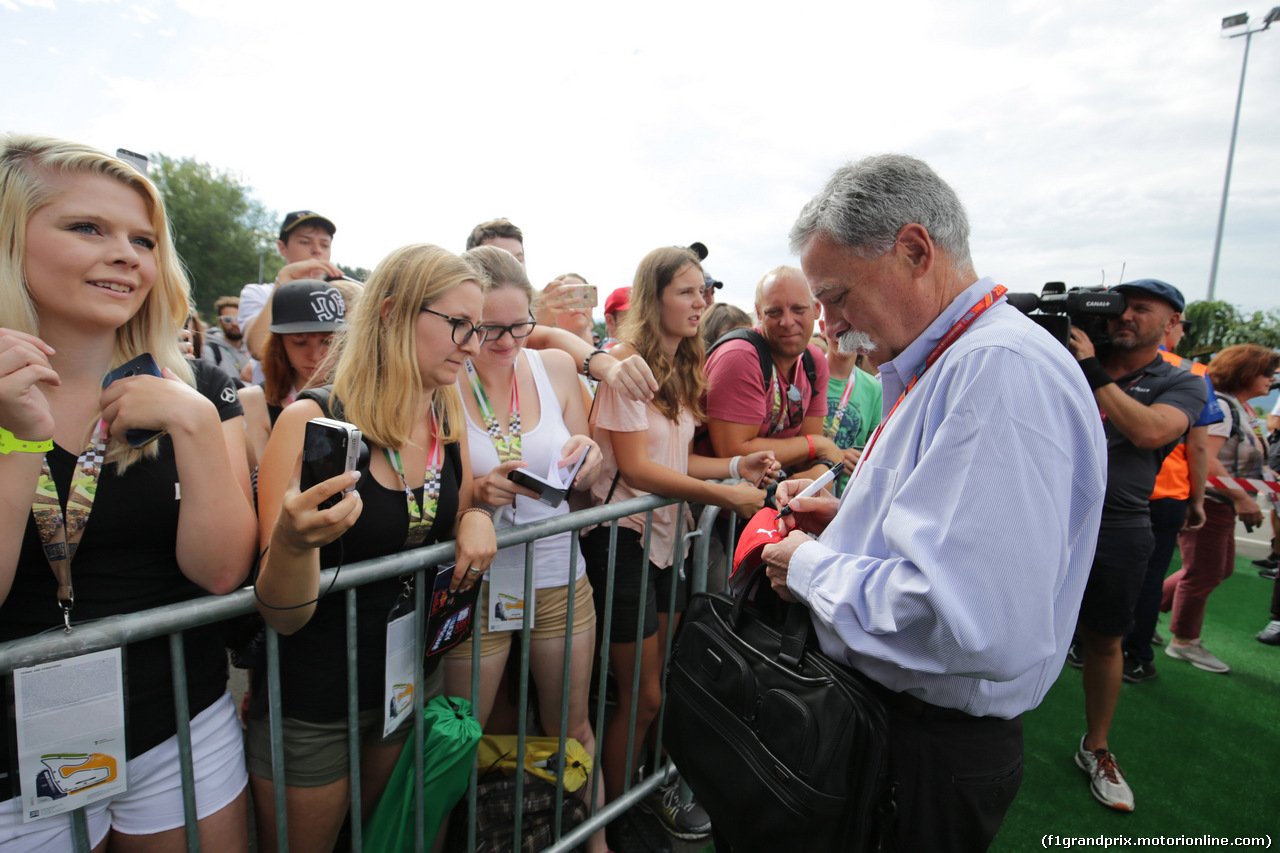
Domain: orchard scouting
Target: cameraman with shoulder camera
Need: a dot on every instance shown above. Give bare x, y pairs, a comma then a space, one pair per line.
1146, 405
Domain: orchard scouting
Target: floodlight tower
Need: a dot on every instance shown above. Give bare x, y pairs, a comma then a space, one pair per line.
1228, 23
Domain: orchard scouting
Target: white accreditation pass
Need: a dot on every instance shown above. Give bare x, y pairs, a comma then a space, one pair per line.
506, 603
70, 725
400, 671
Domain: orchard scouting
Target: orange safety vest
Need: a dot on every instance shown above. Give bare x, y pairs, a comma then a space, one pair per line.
1174, 480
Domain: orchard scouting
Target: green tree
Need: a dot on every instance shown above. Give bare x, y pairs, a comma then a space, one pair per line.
1216, 325
222, 233
358, 273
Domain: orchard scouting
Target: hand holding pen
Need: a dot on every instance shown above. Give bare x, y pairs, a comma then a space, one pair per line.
760, 468
814, 487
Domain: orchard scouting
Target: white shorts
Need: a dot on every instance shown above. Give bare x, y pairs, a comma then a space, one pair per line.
153, 802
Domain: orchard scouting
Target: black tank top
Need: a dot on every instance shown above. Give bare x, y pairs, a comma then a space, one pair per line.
127, 562
273, 412
313, 659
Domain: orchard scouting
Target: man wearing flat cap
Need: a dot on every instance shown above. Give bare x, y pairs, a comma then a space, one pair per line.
1147, 404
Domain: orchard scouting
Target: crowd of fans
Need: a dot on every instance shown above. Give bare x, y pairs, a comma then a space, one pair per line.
457, 372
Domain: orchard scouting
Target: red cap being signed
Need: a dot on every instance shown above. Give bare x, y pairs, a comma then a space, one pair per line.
760, 531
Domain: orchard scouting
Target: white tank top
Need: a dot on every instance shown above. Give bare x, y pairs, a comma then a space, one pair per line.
538, 447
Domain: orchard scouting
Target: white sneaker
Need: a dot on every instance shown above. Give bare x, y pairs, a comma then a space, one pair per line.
1270, 634
1105, 779
1196, 655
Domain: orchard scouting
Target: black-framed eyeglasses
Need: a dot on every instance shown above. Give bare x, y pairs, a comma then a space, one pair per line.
490, 334
462, 329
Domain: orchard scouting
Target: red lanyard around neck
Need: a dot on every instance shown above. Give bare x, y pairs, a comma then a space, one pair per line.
953, 334
835, 418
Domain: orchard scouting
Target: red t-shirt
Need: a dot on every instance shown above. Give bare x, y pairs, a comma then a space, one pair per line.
739, 394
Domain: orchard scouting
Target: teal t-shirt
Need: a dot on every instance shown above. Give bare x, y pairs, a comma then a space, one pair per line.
861, 415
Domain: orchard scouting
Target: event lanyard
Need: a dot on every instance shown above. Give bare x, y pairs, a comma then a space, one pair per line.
420, 517
508, 447
779, 414
60, 534
960, 327
833, 421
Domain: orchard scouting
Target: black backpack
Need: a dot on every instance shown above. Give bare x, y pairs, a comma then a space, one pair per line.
766, 357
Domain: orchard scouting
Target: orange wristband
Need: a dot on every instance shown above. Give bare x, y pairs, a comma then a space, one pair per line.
812, 450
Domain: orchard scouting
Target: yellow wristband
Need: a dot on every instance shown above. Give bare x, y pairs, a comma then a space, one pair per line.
9, 443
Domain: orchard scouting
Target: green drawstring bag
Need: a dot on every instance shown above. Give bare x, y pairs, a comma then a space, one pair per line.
449, 739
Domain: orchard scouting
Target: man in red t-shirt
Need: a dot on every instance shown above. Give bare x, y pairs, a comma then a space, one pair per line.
745, 413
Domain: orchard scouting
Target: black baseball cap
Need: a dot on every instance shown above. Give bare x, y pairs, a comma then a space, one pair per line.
700, 250
293, 220
307, 305
1156, 288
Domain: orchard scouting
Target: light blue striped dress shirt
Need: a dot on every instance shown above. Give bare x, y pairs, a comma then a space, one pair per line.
954, 568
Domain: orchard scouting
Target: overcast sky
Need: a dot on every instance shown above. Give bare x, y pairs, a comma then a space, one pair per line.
1084, 137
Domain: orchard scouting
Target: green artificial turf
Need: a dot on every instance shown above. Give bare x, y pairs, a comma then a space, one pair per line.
1200, 750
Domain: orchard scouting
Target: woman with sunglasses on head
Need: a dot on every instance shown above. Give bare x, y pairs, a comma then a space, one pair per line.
524, 410
411, 332
89, 281
1237, 449
646, 450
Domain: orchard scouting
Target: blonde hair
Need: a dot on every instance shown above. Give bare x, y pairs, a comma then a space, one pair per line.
28, 167
377, 379
682, 382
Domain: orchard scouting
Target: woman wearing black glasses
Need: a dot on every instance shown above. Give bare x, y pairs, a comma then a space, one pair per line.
525, 411
412, 330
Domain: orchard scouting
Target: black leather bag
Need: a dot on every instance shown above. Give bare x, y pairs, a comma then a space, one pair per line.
785, 748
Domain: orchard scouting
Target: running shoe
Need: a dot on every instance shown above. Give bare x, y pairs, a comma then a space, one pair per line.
1196, 655
688, 821
1270, 634
1136, 672
1105, 778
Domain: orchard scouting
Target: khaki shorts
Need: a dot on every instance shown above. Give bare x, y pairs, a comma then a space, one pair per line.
316, 754
550, 616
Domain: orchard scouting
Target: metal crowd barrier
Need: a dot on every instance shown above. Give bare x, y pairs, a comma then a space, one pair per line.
172, 620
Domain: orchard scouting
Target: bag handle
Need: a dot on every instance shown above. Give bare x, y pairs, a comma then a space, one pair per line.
795, 630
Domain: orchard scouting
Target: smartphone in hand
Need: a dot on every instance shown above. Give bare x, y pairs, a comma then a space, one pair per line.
143, 365
555, 486
329, 448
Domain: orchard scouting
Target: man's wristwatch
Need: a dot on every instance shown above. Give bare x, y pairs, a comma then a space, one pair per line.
10, 443
826, 462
